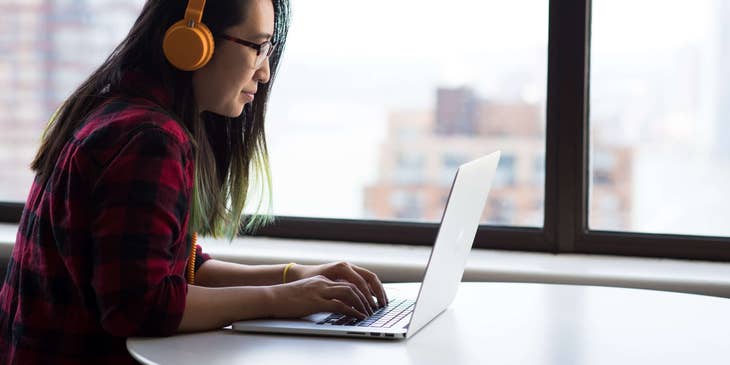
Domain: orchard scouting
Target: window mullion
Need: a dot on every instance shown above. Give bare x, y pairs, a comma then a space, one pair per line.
566, 182
10, 212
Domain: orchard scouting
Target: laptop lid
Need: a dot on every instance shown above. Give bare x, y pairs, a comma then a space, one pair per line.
444, 270
455, 237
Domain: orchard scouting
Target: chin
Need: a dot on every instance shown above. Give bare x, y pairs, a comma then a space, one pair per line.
233, 111
236, 113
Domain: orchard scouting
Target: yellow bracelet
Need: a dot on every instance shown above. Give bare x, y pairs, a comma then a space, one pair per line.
286, 268
191, 259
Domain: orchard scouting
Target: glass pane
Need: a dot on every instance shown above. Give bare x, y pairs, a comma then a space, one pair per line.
367, 120
375, 124
660, 117
47, 48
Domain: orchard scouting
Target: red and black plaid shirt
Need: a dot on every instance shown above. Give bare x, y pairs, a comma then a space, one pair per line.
101, 249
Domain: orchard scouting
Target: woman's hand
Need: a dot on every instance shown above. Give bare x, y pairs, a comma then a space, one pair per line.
366, 281
318, 294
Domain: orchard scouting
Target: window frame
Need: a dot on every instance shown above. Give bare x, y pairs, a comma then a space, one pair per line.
567, 175
567, 168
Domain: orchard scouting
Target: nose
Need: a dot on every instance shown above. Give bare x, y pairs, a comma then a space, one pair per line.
263, 73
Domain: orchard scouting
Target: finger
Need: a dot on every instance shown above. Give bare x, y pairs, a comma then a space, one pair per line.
364, 298
362, 286
370, 307
336, 306
346, 294
375, 284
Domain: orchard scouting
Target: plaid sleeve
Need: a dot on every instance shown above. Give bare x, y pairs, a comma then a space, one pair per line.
200, 257
141, 199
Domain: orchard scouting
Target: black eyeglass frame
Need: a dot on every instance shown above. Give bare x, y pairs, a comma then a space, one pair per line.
255, 46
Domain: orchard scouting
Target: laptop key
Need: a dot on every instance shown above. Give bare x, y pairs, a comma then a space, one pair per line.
383, 317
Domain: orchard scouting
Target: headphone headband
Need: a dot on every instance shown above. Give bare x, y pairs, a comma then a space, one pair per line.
194, 11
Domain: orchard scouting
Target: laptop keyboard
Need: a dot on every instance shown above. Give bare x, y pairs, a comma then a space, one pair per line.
386, 317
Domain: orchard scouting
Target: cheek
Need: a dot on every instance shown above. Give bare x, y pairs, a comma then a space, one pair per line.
233, 77
221, 82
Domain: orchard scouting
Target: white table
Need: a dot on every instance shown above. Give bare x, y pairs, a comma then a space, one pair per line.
495, 323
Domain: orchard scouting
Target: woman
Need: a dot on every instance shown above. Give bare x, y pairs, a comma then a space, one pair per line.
139, 158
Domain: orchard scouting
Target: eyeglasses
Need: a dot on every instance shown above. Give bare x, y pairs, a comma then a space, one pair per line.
263, 50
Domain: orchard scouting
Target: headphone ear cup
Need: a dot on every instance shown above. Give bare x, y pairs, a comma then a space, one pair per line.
211, 43
187, 48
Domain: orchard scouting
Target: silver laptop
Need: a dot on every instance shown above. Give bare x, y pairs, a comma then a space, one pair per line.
404, 317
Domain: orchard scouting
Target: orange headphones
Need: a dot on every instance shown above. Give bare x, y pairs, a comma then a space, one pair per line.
188, 44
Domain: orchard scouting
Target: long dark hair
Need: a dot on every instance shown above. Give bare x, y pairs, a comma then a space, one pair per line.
230, 153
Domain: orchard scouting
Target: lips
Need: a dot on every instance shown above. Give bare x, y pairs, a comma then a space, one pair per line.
249, 95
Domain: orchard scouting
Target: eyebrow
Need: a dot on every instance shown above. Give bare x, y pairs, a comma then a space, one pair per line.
262, 36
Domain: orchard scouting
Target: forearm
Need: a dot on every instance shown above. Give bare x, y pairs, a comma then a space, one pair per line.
214, 273
213, 308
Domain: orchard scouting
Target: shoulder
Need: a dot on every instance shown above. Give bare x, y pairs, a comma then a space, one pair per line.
119, 123
122, 116
131, 129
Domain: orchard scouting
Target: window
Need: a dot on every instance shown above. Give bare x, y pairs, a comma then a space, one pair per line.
505, 172
449, 164
659, 117
370, 129
409, 168
399, 104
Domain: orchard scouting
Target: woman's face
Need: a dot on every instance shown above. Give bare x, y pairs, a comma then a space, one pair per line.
230, 79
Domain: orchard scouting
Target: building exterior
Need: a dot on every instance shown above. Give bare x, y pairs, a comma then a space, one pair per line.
424, 148
47, 48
